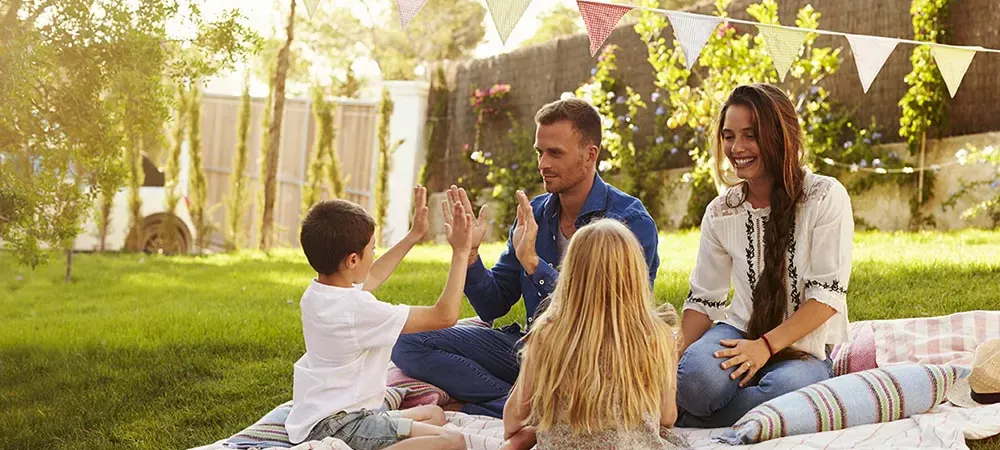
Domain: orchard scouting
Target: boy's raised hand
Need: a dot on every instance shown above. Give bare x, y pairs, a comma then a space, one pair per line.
421, 223
479, 225
458, 226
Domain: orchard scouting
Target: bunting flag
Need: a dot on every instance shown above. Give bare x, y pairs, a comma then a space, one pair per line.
310, 6
692, 32
783, 44
870, 54
408, 9
600, 19
506, 14
953, 62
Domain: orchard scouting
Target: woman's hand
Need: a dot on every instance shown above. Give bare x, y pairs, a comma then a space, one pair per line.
750, 356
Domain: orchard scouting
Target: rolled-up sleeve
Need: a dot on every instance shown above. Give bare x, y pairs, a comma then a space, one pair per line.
829, 269
710, 280
644, 228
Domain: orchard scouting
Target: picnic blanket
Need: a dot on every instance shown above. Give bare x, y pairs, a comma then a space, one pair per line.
935, 340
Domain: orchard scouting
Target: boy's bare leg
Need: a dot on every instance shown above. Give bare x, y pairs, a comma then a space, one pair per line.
430, 414
430, 437
524, 439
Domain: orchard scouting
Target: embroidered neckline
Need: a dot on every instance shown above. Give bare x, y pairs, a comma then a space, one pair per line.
751, 251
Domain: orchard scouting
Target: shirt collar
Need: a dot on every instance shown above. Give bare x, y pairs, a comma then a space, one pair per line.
597, 200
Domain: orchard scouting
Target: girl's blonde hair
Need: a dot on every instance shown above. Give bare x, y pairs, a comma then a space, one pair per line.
599, 358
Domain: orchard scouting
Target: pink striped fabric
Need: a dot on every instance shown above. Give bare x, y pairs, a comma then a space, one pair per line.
934, 340
419, 392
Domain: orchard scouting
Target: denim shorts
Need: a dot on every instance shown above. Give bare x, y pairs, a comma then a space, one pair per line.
364, 430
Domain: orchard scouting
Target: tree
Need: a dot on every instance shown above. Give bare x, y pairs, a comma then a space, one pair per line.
274, 135
84, 97
236, 199
555, 23
198, 185
172, 181
444, 29
60, 140
385, 151
318, 160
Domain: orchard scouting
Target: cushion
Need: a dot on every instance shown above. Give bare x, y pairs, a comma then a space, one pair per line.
858, 354
948, 339
270, 431
871, 396
420, 392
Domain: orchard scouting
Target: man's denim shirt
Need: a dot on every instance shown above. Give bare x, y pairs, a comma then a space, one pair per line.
493, 292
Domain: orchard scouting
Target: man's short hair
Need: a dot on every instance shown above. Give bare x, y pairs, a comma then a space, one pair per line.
584, 117
331, 231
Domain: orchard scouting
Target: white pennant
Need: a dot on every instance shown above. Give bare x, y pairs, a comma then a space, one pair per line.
506, 14
953, 62
408, 9
783, 44
692, 32
310, 6
870, 54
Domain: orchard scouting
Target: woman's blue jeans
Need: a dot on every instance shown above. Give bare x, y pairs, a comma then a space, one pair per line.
708, 398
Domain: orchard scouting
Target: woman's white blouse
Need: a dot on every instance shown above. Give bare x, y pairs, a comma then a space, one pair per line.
819, 265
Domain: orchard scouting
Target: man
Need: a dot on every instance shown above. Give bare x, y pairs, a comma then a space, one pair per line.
479, 365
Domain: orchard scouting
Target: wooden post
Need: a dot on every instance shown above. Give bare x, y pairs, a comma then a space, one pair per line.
920, 183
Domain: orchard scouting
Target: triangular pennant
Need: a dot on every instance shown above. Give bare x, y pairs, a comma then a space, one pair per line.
506, 14
783, 44
953, 62
600, 19
692, 32
870, 54
310, 6
408, 9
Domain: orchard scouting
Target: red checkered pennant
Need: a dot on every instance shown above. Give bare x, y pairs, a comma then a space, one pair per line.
600, 19
408, 9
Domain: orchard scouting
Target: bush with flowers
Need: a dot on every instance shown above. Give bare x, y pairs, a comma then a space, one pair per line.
508, 163
619, 107
487, 104
990, 186
686, 112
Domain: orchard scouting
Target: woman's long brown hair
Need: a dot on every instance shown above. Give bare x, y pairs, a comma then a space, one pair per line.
779, 137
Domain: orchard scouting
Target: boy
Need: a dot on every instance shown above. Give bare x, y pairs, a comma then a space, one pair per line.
339, 384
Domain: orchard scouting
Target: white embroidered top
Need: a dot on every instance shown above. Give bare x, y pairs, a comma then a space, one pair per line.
819, 265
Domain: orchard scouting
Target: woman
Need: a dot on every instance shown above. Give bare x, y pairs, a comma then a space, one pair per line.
783, 236
599, 366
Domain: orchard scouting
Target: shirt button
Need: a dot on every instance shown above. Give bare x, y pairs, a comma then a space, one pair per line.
542, 282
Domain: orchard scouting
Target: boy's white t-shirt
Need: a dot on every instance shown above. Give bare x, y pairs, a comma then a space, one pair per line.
349, 336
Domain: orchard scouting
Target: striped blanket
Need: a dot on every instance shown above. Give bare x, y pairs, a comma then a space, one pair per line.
935, 340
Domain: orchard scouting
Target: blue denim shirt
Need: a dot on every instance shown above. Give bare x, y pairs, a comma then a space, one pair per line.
492, 292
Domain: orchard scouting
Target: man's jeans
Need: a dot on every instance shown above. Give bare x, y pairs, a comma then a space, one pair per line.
473, 364
708, 398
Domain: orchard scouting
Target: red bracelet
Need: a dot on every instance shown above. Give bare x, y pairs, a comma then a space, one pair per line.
768, 344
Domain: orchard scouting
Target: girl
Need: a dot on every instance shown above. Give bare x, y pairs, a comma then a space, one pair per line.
598, 367
783, 236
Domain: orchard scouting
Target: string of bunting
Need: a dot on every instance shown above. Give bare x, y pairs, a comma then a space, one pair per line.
692, 32
883, 170
783, 43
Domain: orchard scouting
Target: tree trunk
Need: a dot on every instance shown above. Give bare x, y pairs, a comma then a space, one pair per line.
274, 136
69, 263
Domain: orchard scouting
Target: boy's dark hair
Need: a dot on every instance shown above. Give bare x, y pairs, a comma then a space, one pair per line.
331, 231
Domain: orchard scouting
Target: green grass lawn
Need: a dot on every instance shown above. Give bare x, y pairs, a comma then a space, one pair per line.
153, 352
